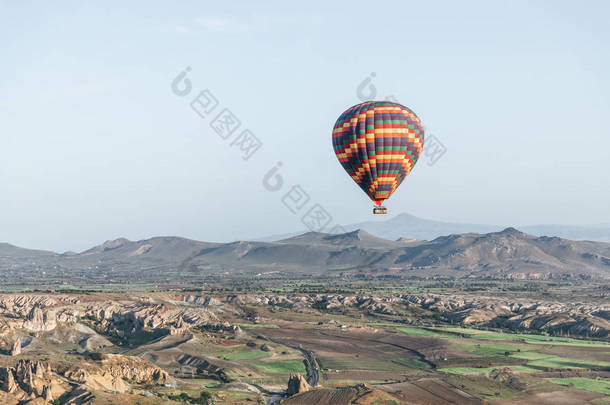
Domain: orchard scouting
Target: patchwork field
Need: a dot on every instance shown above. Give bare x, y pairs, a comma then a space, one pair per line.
590, 384
243, 350
281, 367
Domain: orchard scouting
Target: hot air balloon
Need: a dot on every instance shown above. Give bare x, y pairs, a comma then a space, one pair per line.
378, 143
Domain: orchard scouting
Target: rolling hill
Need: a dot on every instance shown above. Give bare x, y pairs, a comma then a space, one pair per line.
505, 254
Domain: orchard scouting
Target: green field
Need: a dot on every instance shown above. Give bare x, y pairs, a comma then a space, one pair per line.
450, 331
281, 367
590, 384
205, 382
531, 355
412, 331
246, 355
489, 349
523, 338
412, 363
568, 362
360, 363
485, 370
257, 326
496, 354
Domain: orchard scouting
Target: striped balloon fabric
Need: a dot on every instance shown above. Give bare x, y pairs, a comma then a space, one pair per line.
378, 143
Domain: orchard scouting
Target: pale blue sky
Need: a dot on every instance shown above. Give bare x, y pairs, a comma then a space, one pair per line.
95, 145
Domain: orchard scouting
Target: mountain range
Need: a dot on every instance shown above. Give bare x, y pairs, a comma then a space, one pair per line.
505, 254
409, 226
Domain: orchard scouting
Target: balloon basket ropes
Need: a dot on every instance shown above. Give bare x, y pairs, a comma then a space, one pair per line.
380, 210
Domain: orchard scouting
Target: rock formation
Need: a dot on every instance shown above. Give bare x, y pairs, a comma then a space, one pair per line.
46, 394
297, 384
30, 380
38, 320
33, 380
16, 349
114, 372
176, 315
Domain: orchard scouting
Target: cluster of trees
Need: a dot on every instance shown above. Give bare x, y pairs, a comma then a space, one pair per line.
204, 398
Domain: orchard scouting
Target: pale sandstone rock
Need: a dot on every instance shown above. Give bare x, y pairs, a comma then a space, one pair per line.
16, 349
297, 384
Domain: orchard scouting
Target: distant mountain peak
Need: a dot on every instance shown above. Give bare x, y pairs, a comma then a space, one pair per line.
307, 236
513, 232
110, 244
412, 227
114, 243
359, 234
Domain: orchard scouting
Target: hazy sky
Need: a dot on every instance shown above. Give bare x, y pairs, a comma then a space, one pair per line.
96, 145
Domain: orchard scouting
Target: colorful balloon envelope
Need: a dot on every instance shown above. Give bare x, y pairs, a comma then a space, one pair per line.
378, 143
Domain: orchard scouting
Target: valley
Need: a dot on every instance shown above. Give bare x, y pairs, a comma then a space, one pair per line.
497, 318
179, 346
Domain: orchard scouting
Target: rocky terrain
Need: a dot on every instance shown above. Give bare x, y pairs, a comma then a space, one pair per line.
77, 348
121, 321
575, 319
56, 343
101, 321
36, 382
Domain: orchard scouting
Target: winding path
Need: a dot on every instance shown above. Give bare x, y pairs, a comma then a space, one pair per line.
308, 354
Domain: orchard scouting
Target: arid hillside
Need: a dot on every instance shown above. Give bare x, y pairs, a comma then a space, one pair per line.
509, 254
328, 348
